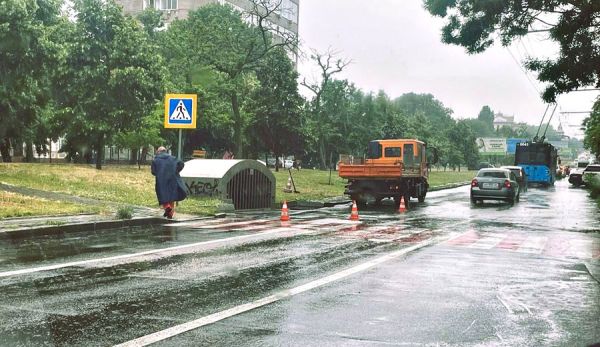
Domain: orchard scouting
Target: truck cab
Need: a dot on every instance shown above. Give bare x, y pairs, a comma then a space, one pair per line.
409, 154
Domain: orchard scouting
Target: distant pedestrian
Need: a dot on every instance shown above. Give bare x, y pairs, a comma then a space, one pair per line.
228, 154
168, 186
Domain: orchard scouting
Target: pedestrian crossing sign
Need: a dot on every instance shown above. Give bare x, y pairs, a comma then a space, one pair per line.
180, 111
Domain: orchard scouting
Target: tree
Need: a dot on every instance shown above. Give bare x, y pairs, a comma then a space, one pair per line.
148, 134
592, 130
411, 104
277, 107
573, 24
221, 40
152, 21
28, 52
111, 78
463, 140
329, 66
486, 115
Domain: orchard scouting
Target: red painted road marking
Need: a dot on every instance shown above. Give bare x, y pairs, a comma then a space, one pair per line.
557, 246
465, 239
418, 237
512, 241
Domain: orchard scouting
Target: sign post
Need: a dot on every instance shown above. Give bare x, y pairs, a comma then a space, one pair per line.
180, 113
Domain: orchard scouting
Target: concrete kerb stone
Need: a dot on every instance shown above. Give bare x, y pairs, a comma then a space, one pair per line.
342, 200
85, 226
449, 186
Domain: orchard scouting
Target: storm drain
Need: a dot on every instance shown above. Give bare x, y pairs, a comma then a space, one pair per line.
250, 189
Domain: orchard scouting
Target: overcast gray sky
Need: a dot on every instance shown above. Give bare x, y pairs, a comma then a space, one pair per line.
395, 46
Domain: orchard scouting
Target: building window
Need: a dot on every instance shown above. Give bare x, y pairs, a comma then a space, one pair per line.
167, 4
161, 4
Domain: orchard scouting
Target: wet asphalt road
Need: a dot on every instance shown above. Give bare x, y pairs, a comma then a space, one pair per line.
444, 273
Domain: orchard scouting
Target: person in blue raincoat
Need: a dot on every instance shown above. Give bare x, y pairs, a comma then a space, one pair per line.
168, 186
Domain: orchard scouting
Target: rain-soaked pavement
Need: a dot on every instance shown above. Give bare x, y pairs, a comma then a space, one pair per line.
444, 273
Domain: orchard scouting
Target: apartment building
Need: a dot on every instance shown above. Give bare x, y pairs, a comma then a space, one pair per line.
285, 21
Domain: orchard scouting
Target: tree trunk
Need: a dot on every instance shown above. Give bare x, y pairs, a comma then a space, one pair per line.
100, 152
5, 150
143, 155
18, 150
28, 152
133, 156
322, 154
237, 126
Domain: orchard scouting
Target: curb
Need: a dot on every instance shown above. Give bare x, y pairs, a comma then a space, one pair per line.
449, 186
308, 205
87, 226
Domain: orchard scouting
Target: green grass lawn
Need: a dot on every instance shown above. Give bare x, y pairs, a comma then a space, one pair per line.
130, 185
17, 205
115, 184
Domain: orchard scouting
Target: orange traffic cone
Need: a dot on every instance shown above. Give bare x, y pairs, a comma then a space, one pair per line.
285, 213
354, 213
402, 207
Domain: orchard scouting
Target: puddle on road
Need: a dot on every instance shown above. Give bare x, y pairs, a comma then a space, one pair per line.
17, 252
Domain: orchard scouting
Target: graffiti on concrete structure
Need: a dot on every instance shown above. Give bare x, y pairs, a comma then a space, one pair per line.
201, 188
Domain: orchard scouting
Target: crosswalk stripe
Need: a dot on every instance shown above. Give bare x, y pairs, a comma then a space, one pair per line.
533, 244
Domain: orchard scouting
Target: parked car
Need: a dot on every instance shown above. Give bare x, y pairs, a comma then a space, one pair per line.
520, 174
484, 165
592, 170
495, 184
576, 175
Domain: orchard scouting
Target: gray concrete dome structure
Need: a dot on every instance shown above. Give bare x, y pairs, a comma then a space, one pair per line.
247, 184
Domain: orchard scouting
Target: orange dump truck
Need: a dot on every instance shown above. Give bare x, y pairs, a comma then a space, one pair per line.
391, 169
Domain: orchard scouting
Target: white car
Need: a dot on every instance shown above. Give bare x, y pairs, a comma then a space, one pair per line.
576, 175
288, 164
591, 172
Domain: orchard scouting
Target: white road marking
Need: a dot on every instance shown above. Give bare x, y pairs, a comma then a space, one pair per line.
581, 249
215, 317
470, 326
505, 304
488, 241
298, 229
533, 244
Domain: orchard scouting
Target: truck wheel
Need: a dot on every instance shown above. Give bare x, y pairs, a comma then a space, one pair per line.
359, 201
407, 201
422, 197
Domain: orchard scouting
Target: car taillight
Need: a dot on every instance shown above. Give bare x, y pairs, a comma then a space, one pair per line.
507, 184
474, 183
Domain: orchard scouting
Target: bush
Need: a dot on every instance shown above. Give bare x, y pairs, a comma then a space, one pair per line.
125, 212
594, 186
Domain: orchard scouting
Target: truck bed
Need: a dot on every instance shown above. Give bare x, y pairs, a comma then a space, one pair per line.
372, 171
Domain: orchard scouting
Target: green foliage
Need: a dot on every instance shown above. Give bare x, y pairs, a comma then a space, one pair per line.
112, 76
592, 130
276, 105
486, 116
574, 25
152, 21
124, 212
28, 53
